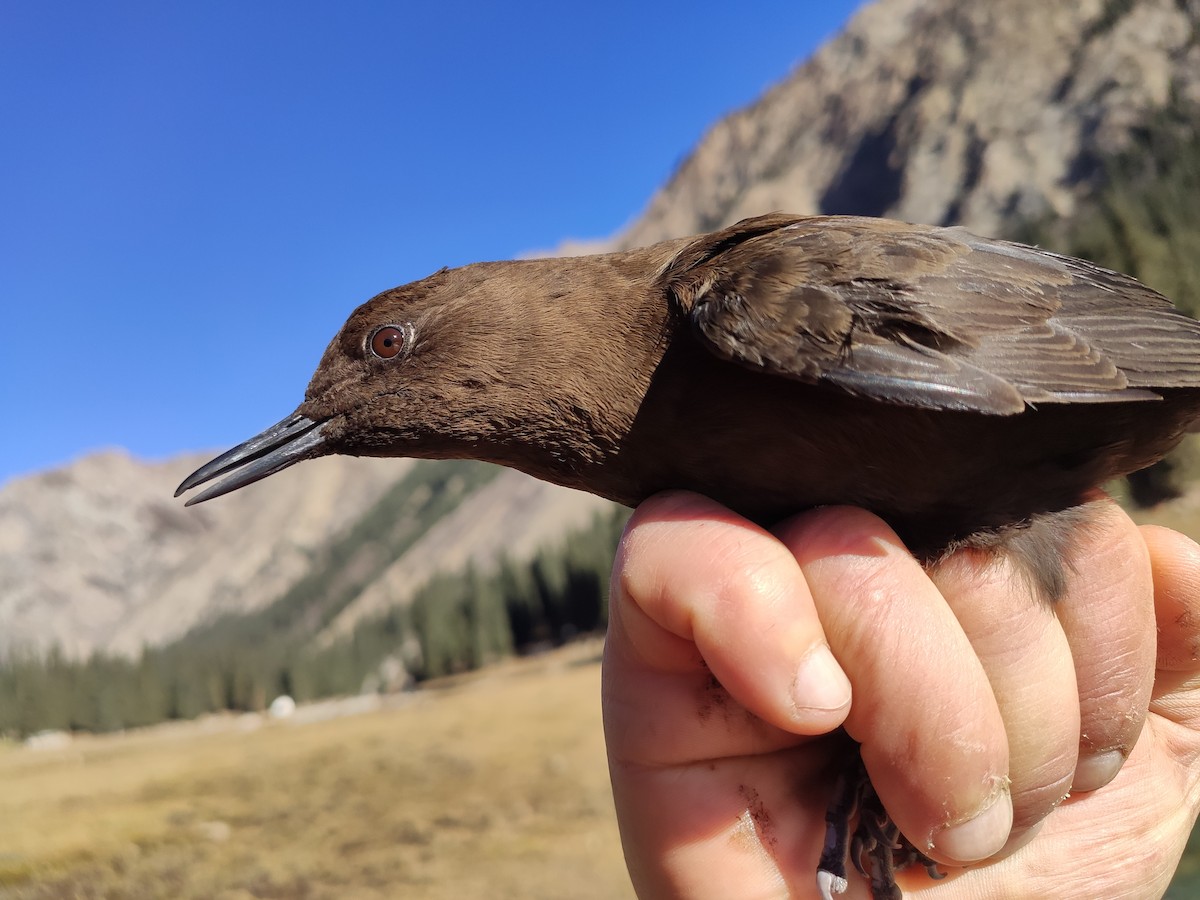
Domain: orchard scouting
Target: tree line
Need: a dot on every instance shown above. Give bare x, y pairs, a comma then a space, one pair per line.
457, 621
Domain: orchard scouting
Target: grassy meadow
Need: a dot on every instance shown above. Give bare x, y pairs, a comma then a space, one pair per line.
491, 785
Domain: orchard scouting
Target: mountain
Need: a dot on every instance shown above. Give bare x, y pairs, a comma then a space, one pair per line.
97, 555
930, 110
940, 111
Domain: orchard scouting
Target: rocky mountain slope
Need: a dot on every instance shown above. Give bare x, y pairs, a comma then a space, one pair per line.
928, 110
941, 111
98, 556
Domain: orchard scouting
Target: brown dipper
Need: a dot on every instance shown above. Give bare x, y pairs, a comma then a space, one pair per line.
969, 391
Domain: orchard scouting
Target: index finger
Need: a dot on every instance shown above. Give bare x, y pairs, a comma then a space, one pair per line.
704, 602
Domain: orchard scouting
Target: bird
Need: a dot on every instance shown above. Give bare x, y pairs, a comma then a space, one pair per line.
972, 392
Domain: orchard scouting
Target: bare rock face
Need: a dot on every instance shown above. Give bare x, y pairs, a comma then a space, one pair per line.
943, 112
98, 556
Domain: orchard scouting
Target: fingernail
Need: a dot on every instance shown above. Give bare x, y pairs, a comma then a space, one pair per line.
980, 837
1095, 770
820, 684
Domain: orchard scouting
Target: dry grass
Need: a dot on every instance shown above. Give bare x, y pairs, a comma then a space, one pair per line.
493, 786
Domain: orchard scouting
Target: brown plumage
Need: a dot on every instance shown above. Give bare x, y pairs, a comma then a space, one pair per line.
969, 391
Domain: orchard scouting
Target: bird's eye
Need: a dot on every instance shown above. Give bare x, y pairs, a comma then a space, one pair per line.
387, 342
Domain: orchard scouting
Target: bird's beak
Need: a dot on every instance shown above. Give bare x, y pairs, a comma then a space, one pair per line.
283, 444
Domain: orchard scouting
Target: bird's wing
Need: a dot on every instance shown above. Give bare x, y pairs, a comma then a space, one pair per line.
930, 317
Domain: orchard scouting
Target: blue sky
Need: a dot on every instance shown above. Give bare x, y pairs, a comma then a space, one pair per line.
194, 196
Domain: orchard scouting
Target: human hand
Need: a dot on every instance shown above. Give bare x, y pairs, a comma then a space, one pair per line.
970, 698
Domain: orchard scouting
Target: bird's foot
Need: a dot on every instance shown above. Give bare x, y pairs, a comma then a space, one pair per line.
831, 870
876, 847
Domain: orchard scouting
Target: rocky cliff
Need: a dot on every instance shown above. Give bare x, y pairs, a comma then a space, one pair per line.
941, 111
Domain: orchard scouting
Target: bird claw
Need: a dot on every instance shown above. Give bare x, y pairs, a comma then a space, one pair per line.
831, 870
829, 884
876, 847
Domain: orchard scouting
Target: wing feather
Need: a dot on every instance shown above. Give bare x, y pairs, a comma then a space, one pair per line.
931, 317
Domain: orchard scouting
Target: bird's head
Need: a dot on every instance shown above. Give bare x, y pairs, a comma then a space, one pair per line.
504, 362
414, 371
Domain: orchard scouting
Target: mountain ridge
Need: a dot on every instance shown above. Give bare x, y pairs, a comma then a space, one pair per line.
940, 112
